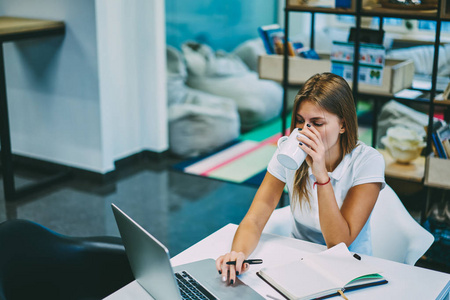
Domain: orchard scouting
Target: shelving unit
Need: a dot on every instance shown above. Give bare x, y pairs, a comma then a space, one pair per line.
359, 9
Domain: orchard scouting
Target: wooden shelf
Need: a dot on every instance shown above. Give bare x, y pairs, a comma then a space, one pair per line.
439, 99
320, 6
328, 6
413, 171
442, 102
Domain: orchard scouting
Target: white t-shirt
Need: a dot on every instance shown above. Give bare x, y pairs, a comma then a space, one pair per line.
363, 165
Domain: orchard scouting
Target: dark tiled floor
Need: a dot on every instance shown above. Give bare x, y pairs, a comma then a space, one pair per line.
177, 208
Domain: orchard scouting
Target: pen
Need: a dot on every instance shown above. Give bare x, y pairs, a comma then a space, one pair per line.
341, 292
357, 256
248, 261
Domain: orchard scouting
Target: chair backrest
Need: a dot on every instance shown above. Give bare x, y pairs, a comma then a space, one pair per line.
395, 234
280, 222
37, 263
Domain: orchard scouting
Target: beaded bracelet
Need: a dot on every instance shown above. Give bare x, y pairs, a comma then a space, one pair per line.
329, 179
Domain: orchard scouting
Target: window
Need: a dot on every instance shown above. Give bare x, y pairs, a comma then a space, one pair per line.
431, 26
393, 23
388, 22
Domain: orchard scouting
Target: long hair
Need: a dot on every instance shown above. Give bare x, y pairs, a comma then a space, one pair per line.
333, 94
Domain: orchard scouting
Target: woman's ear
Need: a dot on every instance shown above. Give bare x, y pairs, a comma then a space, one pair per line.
342, 130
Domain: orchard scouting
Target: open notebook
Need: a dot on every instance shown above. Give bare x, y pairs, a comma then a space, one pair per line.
322, 275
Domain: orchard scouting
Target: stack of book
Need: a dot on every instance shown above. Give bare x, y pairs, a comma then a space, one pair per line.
441, 140
273, 39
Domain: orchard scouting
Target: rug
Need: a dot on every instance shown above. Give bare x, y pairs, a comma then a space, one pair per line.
244, 161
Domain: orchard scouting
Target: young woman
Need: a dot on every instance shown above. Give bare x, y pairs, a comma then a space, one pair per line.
333, 192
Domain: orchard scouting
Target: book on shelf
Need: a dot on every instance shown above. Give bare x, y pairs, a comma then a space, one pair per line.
438, 146
322, 275
433, 148
446, 93
264, 34
273, 39
443, 135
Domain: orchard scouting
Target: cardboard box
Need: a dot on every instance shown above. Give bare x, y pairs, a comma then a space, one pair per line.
437, 174
398, 74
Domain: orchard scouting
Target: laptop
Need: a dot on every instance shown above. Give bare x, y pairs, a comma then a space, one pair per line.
150, 262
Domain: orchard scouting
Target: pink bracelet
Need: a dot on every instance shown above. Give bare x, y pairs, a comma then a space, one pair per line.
329, 179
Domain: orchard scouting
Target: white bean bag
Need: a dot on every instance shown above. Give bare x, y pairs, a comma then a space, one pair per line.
176, 76
198, 122
249, 51
201, 124
225, 75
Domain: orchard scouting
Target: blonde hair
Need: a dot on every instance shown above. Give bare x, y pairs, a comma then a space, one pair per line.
333, 94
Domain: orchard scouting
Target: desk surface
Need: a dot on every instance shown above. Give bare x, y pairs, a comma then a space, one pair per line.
13, 28
405, 281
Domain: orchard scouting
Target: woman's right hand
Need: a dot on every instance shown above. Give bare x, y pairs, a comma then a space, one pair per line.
229, 272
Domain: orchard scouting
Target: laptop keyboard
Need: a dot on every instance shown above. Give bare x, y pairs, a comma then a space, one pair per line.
190, 288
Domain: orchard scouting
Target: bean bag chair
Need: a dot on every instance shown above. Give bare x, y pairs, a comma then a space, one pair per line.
249, 51
199, 122
225, 75
202, 124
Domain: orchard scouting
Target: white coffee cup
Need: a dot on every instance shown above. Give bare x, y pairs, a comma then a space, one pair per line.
291, 155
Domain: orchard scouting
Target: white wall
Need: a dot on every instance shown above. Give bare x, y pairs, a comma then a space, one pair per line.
133, 88
97, 93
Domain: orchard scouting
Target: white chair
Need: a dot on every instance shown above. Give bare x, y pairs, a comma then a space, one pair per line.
396, 235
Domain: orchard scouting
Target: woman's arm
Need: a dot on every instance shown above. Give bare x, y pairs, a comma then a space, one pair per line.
345, 224
249, 231
337, 225
264, 203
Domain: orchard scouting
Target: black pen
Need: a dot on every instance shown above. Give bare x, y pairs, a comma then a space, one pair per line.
248, 261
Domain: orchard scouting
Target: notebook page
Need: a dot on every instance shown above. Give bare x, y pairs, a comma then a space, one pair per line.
339, 262
299, 279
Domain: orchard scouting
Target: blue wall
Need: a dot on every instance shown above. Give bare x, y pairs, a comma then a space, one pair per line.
220, 24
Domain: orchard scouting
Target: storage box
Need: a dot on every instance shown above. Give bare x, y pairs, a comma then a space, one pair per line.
398, 74
437, 174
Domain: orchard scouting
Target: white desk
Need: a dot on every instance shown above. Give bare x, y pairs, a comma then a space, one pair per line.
405, 281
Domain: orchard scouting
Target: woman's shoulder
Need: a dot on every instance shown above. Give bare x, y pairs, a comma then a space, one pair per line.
363, 151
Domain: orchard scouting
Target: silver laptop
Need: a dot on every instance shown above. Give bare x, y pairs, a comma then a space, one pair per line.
150, 262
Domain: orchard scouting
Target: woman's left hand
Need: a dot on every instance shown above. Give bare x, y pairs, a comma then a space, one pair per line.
315, 148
